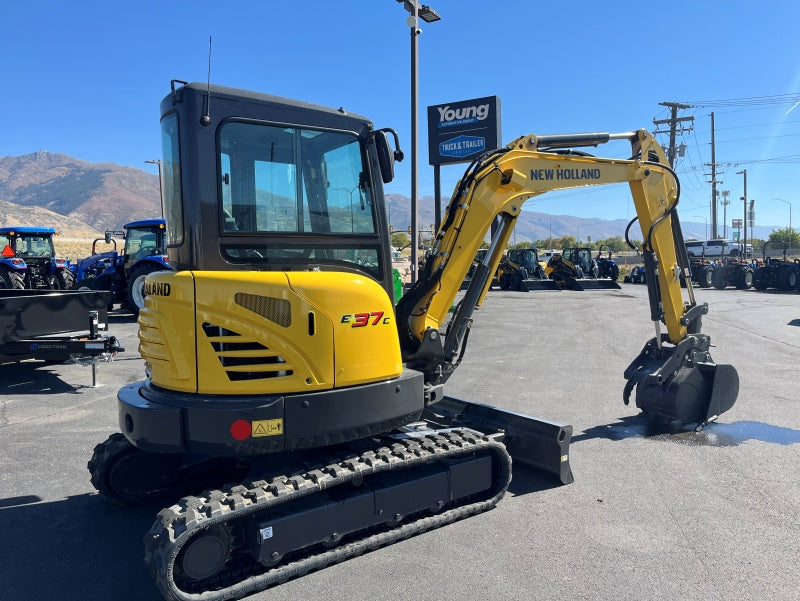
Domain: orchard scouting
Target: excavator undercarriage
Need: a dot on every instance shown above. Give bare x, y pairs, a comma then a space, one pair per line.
232, 540
228, 543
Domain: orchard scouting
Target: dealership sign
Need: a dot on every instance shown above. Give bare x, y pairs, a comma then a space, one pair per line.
460, 131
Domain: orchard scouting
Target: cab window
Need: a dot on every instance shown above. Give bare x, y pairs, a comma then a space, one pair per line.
171, 179
305, 192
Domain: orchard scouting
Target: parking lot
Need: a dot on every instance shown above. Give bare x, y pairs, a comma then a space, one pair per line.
653, 513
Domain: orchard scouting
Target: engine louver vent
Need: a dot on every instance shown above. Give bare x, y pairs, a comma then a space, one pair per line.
277, 310
243, 358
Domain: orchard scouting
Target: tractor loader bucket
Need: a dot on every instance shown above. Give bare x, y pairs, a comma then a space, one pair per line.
598, 284
536, 284
530, 441
681, 382
565, 282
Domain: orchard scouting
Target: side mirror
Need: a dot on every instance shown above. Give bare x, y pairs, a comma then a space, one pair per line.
386, 155
108, 237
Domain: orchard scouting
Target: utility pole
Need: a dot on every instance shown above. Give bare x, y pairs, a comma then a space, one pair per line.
714, 182
673, 123
743, 172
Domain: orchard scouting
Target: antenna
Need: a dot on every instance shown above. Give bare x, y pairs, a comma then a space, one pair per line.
206, 118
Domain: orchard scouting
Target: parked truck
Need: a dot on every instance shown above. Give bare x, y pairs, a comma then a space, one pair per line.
28, 260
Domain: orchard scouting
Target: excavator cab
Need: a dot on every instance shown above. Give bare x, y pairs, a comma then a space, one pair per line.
299, 190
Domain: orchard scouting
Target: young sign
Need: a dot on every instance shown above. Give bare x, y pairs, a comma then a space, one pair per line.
460, 131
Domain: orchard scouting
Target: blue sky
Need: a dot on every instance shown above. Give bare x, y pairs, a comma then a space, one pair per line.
85, 78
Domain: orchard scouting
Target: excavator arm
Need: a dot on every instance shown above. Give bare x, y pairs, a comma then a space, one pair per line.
675, 375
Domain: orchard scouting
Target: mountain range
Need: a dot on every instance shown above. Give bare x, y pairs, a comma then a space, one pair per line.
83, 199
94, 196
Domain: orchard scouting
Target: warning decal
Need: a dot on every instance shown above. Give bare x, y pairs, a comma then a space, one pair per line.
267, 427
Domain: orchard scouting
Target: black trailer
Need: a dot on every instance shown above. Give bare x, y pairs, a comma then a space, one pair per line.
54, 326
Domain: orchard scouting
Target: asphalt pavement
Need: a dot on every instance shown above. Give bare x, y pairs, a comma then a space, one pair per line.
654, 512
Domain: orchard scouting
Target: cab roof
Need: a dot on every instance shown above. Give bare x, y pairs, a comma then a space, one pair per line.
27, 229
145, 223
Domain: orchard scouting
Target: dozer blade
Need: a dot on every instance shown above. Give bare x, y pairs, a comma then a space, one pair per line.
681, 382
530, 441
536, 284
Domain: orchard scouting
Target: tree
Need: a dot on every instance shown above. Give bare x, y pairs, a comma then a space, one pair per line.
565, 242
615, 243
785, 236
400, 240
546, 244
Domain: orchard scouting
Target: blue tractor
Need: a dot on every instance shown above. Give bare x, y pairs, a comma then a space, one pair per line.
607, 267
28, 260
124, 273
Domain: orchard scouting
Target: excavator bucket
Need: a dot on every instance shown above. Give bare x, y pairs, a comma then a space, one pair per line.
530, 441
681, 383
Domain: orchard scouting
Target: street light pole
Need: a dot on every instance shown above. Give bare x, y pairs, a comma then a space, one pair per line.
415, 12
160, 190
704, 219
725, 202
790, 212
744, 222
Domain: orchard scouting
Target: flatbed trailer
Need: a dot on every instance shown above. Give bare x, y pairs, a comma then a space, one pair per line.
54, 326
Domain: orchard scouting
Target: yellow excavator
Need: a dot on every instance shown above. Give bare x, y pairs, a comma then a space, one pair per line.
277, 361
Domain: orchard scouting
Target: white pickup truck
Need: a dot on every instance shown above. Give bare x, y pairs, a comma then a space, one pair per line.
716, 248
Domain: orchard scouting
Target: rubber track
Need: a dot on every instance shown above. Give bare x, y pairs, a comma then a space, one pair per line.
176, 525
103, 456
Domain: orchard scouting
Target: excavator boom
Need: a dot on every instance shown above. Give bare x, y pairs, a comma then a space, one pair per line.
678, 384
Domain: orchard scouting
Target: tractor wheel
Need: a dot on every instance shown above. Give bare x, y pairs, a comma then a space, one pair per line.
95, 283
706, 278
787, 278
744, 279
792, 279
64, 279
11, 280
134, 298
514, 281
718, 278
89, 283
503, 281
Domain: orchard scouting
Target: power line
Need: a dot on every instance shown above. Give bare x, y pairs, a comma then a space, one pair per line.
778, 99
